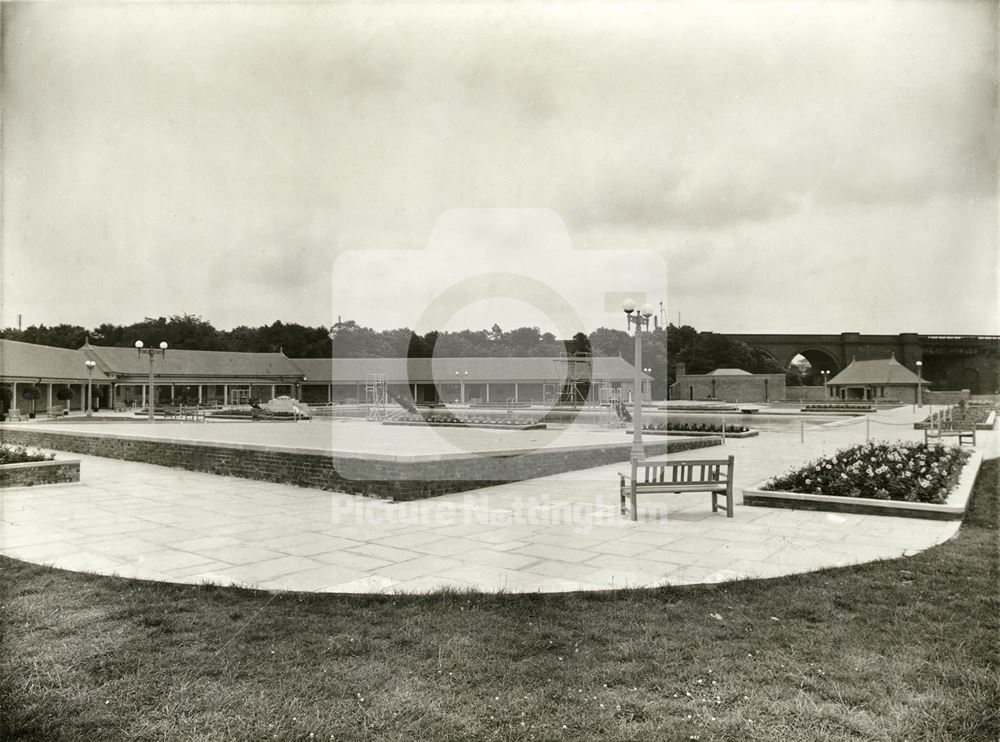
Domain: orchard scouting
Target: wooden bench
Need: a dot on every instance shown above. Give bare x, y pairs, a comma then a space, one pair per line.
951, 431
713, 476
944, 425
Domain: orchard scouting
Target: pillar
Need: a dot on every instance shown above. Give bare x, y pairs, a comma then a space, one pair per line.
13, 402
225, 394
143, 387
272, 391
487, 392
515, 391
49, 403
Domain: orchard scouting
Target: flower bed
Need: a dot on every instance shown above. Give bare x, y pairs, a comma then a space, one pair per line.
447, 419
964, 415
22, 467
908, 471
902, 478
694, 428
21, 455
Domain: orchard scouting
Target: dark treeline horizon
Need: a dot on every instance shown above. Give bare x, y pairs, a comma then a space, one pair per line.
663, 348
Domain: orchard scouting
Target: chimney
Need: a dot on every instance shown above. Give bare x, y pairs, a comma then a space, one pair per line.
680, 370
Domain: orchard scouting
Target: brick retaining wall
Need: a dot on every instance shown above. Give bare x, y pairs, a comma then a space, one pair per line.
395, 478
31, 473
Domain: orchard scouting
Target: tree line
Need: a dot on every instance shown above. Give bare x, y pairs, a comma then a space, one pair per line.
663, 348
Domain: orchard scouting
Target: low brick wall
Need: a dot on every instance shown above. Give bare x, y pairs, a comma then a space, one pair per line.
391, 477
32, 473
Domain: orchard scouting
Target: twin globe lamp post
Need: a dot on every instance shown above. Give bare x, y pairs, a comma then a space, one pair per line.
639, 318
162, 350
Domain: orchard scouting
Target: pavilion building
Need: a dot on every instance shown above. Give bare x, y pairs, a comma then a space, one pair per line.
886, 379
493, 381
120, 377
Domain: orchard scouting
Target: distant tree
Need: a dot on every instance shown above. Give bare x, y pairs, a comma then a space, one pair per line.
57, 336
762, 363
606, 342
580, 343
523, 341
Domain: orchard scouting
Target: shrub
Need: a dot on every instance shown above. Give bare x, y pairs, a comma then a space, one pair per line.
908, 471
20, 455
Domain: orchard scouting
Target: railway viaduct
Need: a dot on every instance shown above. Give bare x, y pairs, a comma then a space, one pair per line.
950, 362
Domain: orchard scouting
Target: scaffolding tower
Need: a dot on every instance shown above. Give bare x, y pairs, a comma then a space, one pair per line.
376, 396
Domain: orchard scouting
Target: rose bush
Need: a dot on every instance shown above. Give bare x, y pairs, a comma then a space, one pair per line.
908, 471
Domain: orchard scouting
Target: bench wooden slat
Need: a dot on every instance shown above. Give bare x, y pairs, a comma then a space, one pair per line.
695, 475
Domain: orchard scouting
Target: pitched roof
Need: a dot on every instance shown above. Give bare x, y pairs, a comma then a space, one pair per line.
885, 371
729, 372
30, 361
423, 370
194, 363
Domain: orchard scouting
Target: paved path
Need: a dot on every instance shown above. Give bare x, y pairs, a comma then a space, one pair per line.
552, 534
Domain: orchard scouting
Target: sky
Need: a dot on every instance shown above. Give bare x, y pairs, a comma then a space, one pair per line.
756, 167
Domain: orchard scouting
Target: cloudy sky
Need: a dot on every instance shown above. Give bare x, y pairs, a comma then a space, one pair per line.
783, 167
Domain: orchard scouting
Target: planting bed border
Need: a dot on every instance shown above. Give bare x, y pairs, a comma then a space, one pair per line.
39, 473
698, 433
953, 509
480, 426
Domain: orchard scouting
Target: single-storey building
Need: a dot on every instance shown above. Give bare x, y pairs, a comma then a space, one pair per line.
539, 380
728, 384
196, 376
873, 380
120, 377
35, 374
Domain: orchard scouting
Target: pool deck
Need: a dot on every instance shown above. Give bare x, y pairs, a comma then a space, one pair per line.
558, 533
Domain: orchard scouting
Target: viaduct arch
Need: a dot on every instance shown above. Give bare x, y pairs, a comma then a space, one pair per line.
950, 362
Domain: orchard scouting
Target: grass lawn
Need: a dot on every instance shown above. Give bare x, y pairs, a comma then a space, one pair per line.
896, 650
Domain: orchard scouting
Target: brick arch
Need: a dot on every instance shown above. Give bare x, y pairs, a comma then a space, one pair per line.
820, 358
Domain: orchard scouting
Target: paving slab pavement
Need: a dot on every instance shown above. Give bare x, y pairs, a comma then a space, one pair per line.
558, 533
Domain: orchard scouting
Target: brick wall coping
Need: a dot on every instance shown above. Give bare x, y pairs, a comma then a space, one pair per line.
37, 464
349, 455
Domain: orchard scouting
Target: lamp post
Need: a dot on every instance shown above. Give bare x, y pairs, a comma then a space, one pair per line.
461, 383
162, 350
826, 377
90, 378
649, 372
640, 319
920, 384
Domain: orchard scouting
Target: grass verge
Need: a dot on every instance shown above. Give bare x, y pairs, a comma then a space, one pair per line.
894, 650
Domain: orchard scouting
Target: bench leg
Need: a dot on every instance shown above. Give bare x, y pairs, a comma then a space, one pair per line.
621, 493
729, 500
635, 512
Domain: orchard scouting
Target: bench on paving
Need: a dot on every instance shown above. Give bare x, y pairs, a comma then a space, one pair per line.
191, 413
951, 431
713, 476
54, 412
